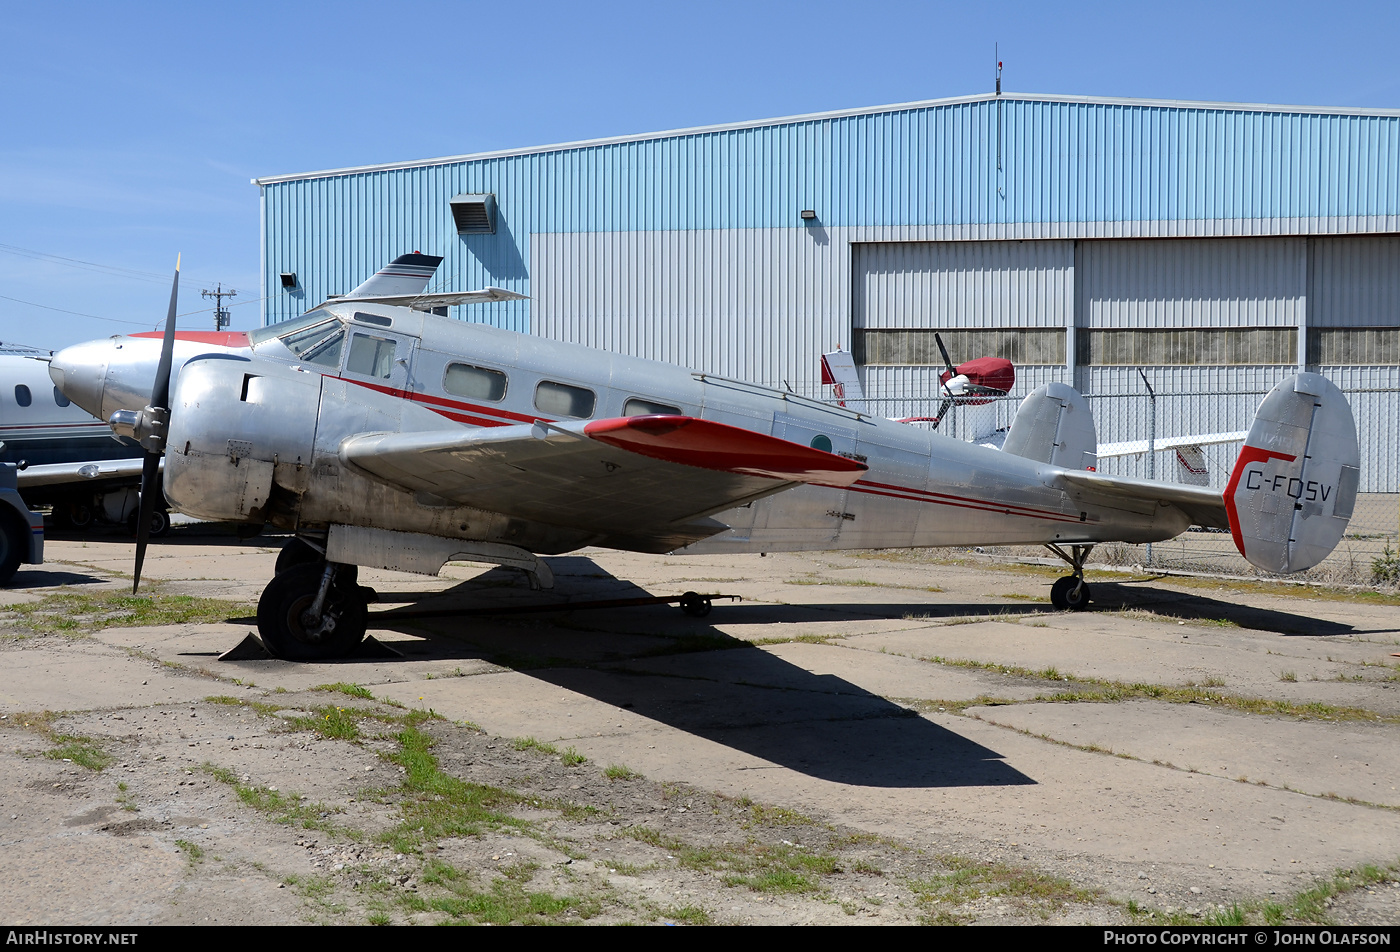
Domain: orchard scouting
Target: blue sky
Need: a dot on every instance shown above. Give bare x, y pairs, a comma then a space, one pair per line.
129, 132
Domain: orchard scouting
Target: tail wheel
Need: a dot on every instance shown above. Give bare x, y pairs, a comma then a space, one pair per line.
1070, 594
289, 628
695, 605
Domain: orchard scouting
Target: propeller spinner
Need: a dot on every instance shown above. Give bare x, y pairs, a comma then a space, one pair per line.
149, 428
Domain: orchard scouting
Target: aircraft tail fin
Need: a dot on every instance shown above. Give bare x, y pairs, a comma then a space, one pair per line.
406, 274
1055, 425
839, 372
1293, 488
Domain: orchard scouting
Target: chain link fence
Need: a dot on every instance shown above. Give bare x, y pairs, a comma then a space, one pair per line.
1368, 553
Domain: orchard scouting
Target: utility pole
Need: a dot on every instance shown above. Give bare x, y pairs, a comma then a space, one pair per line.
221, 318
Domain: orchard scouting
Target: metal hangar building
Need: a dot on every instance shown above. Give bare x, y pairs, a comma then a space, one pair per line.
1217, 246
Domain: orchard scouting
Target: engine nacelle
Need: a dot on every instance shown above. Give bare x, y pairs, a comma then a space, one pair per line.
239, 428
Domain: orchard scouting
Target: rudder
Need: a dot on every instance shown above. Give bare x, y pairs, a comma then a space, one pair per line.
1293, 488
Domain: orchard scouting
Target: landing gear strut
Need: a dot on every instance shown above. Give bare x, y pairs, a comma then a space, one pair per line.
313, 612
1071, 593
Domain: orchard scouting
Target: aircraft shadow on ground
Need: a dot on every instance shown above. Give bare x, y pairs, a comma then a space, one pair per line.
1110, 596
45, 578
683, 672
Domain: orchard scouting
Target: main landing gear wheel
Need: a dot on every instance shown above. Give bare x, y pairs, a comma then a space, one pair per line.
1070, 594
290, 624
297, 552
695, 605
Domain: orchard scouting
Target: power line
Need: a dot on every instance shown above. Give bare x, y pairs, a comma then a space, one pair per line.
95, 317
79, 263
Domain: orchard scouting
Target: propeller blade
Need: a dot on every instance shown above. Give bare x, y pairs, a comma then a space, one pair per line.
150, 472
160, 393
150, 467
947, 362
943, 411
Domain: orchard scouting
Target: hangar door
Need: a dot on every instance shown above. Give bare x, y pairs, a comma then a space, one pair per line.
1005, 298
1188, 302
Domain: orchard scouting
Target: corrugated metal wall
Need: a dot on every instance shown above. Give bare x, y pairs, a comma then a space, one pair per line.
1354, 281
1201, 282
923, 172
946, 284
758, 304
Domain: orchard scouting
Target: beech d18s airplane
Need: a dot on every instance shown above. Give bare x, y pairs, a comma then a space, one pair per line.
385, 436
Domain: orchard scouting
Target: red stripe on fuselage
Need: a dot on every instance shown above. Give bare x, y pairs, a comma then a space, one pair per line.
960, 502
447, 407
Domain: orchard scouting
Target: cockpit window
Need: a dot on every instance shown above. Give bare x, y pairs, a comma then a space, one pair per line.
318, 344
286, 327
371, 356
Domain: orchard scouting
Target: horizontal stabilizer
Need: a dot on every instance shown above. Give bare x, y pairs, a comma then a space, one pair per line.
1294, 485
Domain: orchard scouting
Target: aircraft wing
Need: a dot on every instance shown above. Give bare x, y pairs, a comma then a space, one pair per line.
53, 474
646, 482
1204, 506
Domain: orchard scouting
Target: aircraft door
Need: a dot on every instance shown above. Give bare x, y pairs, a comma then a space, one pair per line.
381, 357
812, 514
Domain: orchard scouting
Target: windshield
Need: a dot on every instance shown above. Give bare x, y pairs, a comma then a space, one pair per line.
285, 327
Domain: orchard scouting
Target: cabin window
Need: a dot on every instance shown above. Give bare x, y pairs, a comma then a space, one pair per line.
478, 383
22, 395
560, 399
378, 319
371, 356
636, 406
59, 398
320, 344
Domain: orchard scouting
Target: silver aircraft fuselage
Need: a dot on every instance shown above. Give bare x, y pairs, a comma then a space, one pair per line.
282, 401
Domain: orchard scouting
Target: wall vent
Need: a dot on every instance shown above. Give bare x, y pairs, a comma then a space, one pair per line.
474, 214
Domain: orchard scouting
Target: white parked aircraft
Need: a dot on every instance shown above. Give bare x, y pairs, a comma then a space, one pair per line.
386, 436
66, 458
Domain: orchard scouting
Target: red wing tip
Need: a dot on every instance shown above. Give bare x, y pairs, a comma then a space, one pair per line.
707, 444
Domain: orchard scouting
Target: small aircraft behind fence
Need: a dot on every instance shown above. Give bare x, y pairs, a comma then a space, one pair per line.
386, 436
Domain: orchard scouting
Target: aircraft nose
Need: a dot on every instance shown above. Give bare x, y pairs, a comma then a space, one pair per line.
80, 372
